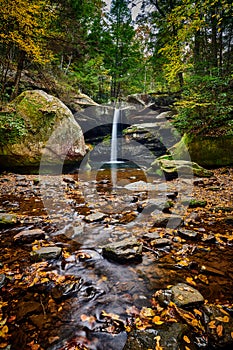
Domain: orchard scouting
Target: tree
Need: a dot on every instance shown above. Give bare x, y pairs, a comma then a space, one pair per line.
24, 30
123, 55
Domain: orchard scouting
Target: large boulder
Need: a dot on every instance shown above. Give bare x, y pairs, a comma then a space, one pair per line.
173, 168
210, 151
42, 126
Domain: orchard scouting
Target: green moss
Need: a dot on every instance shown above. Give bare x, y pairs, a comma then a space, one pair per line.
12, 128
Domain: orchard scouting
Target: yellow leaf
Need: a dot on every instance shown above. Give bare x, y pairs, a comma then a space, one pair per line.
4, 331
194, 322
186, 339
191, 281
219, 330
197, 312
147, 312
223, 319
232, 335
156, 320
212, 324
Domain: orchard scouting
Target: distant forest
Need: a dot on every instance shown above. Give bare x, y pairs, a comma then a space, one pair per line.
170, 46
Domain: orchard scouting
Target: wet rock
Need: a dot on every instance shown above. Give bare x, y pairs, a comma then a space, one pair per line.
166, 220
126, 250
7, 219
151, 235
98, 216
28, 236
177, 168
183, 295
68, 180
188, 234
26, 308
229, 220
211, 271
2, 280
46, 253
160, 242
140, 186
222, 321
208, 238
65, 290
195, 203
164, 297
171, 338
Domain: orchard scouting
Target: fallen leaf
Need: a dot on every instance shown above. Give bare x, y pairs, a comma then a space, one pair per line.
191, 281
186, 339
219, 330
212, 324
156, 320
197, 312
223, 319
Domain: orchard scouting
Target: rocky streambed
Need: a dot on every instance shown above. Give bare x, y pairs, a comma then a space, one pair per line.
146, 264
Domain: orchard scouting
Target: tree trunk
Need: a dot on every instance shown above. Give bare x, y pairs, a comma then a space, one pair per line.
18, 75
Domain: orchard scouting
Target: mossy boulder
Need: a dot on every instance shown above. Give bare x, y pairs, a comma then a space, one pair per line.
173, 168
207, 151
47, 128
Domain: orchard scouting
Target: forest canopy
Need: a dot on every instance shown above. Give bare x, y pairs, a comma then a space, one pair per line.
107, 52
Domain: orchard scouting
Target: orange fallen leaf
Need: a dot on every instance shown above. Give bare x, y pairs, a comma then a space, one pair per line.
156, 320
191, 281
223, 319
212, 325
186, 339
219, 330
197, 312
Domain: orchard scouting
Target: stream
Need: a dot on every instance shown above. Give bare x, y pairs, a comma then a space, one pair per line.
82, 298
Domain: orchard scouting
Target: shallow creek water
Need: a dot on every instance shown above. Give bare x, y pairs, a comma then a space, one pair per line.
60, 205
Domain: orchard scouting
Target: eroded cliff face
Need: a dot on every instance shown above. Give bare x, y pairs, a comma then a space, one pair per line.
47, 128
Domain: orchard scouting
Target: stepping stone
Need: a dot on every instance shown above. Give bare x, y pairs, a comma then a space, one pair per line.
46, 253
183, 295
123, 251
29, 236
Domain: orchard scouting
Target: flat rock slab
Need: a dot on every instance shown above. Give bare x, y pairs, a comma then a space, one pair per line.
160, 242
166, 220
123, 251
46, 253
7, 219
188, 234
28, 236
171, 338
184, 295
141, 186
98, 216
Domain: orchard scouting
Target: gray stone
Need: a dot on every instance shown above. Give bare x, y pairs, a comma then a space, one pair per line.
126, 250
188, 234
184, 295
98, 216
141, 186
160, 242
225, 341
171, 338
28, 236
46, 253
7, 219
166, 220
2, 280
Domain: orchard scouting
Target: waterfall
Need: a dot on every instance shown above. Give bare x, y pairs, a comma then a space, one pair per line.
116, 116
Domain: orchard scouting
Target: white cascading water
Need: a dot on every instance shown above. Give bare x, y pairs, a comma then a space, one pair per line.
116, 116
114, 145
